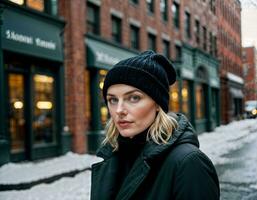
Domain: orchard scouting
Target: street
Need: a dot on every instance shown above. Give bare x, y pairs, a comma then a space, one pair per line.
232, 148
238, 177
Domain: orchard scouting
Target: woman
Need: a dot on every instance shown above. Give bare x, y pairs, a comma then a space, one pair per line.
147, 153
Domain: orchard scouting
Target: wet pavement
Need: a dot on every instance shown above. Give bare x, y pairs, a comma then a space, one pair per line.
238, 176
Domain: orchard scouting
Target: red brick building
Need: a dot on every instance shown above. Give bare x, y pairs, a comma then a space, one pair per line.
229, 53
100, 33
250, 73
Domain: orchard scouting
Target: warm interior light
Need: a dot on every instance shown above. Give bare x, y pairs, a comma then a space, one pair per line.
20, 2
102, 72
18, 105
44, 105
184, 92
254, 111
43, 78
101, 85
174, 95
104, 111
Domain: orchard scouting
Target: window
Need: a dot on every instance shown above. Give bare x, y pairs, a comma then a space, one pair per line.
92, 19
164, 9
204, 38
210, 43
150, 5
185, 97
134, 1
178, 52
134, 37
116, 29
175, 12
44, 109
47, 6
151, 42
200, 103
215, 51
34, 4
166, 48
213, 6
174, 98
197, 32
187, 25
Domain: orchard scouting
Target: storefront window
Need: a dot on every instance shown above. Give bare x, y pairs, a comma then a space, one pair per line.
185, 97
103, 108
200, 103
43, 120
174, 98
16, 112
34, 4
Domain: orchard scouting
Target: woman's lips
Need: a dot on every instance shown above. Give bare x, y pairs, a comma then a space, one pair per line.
124, 124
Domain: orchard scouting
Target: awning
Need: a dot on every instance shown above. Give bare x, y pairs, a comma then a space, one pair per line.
236, 93
104, 55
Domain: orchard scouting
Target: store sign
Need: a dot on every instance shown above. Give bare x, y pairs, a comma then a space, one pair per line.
28, 35
105, 58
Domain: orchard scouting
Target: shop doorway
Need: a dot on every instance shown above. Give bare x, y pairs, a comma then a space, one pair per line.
31, 114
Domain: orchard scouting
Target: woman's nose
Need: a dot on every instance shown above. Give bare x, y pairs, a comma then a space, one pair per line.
121, 108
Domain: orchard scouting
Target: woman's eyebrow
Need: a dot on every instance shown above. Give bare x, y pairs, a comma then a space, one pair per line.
126, 93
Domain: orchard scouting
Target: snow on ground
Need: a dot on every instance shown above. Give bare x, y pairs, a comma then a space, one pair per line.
76, 188
227, 138
215, 144
14, 173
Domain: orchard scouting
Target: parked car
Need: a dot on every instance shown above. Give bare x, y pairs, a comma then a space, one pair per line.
251, 109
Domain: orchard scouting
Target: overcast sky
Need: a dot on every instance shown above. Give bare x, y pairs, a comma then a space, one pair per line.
249, 25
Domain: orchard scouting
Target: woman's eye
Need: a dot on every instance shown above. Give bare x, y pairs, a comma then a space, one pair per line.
134, 98
112, 100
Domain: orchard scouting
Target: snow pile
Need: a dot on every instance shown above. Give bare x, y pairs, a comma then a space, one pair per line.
14, 173
227, 138
75, 188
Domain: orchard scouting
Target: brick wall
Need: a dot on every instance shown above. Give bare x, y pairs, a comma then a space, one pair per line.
74, 50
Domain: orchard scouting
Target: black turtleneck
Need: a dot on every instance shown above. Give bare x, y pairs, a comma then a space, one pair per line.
128, 152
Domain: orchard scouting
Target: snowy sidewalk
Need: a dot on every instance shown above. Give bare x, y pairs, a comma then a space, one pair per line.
215, 144
26, 175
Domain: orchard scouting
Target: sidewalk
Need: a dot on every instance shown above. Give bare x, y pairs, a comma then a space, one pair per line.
22, 176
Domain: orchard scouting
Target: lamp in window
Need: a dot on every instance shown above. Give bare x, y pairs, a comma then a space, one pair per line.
18, 105
44, 105
184, 93
174, 95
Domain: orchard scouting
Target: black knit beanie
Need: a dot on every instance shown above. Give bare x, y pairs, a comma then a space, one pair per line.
150, 72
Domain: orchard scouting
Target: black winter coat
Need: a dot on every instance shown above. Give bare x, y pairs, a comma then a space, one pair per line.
175, 171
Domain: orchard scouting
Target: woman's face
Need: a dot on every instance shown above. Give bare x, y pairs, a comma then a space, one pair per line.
131, 109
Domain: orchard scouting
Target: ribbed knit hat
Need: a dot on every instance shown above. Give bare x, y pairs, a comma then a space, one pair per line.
150, 72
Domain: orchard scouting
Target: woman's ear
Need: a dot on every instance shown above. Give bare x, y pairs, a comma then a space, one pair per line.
157, 108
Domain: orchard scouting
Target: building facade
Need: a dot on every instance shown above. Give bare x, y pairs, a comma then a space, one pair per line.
229, 53
250, 73
115, 30
92, 36
31, 81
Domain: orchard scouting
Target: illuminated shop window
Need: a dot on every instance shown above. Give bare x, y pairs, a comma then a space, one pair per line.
185, 97
36, 4
103, 108
200, 103
16, 112
43, 110
174, 98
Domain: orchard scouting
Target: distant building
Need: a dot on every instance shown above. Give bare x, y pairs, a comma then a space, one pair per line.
229, 53
250, 73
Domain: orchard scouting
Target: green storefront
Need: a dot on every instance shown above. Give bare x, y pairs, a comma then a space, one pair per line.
198, 87
32, 120
101, 56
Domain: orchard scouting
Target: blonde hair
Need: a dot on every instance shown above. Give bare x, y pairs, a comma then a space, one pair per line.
159, 132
